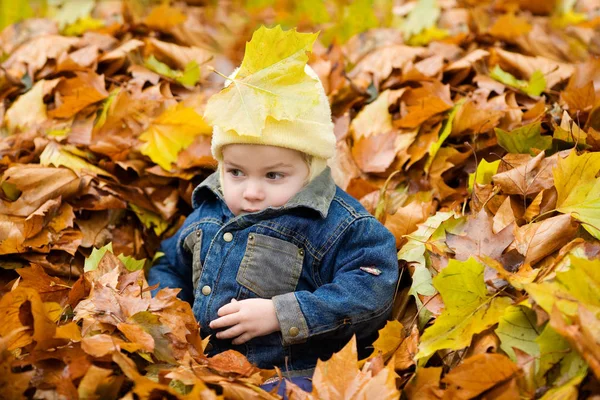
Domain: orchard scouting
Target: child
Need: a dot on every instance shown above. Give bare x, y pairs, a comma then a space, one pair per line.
279, 263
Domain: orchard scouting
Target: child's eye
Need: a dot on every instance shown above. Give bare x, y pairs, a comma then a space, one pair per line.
274, 175
235, 172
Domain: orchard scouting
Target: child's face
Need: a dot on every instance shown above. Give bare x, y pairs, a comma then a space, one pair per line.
257, 176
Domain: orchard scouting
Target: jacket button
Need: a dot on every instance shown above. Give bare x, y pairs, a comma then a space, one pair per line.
228, 236
198, 233
206, 290
294, 331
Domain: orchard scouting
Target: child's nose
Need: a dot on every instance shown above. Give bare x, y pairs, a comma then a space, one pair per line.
253, 192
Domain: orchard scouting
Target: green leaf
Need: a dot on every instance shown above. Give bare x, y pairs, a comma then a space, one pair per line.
315, 10
106, 107
131, 263
576, 286
12, 11
91, 263
83, 25
484, 173
423, 16
518, 329
427, 36
435, 147
535, 86
522, 140
150, 219
468, 308
348, 25
10, 190
552, 349
189, 77
578, 189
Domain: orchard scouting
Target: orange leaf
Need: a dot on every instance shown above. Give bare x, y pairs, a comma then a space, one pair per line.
478, 374
78, 93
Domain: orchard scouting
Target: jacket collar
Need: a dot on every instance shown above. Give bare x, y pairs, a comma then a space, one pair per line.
317, 195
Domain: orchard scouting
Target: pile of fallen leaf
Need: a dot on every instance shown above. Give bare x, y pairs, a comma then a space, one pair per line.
471, 129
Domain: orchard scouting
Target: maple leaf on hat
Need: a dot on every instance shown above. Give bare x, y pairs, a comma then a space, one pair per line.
271, 82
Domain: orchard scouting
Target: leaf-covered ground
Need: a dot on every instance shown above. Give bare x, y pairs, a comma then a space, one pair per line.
471, 129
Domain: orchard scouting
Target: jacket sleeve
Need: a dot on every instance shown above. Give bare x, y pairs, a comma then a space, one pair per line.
174, 269
358, 299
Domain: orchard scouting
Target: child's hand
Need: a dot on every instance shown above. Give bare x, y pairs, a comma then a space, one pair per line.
247, 318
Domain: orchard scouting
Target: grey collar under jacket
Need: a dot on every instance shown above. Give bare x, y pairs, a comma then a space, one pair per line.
317, 195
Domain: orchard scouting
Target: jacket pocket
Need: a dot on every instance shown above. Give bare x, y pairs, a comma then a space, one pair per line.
193, 244
270, 266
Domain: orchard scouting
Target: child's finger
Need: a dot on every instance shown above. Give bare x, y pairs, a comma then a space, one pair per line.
232, 332
228, 320
228, 308
242, 339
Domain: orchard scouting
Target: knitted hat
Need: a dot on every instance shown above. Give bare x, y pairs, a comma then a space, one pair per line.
310, 133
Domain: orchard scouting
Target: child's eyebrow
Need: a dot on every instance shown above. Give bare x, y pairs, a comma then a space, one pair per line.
278, 165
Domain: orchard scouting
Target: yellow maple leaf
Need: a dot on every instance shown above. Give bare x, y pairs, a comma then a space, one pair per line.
171, 132
579, 190
271, 82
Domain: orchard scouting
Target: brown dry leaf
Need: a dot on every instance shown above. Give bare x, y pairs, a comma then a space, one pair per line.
121, 52
32, 55
373, 119
478, 374
580, 99
178, 55
537, 240
445, 159
79, 60
77, 93
480, 239
425, 385
49, 288
232, 362
509, 26
472, 118
102, 344
380, 62
38, 184
13, 384
405, 355
376, 152
554, 72
406, 219
504, 216
529, 178
468, 60
29, 110
339, 377
164, 16
20, 308
422, 144
582, 334
423, 103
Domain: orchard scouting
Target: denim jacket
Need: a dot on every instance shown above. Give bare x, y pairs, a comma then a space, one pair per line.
328, 265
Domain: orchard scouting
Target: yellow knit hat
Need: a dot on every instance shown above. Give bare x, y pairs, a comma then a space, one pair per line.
311, 133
